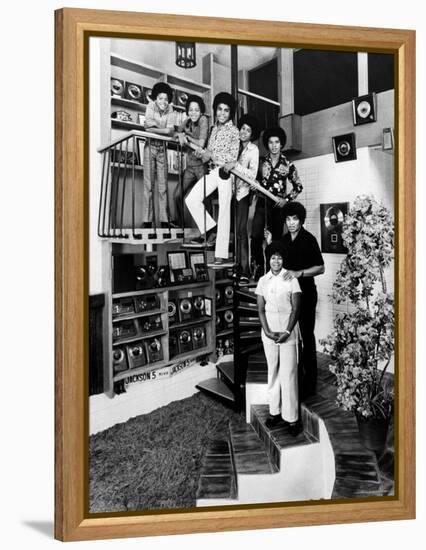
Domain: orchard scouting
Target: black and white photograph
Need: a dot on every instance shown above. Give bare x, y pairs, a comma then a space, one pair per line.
241, 275
156, 392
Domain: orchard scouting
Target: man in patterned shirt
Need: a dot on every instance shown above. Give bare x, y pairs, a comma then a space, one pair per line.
222, 148
276, 172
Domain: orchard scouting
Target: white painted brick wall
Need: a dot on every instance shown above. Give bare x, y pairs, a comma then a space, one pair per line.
326, 181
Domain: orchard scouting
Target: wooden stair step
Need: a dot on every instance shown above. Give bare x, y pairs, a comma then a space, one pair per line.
227, 370
250, 334
252, 348
217, 388
257, 373
249, 453
249, 322
277, 438
246, 293
217, 475
243, 307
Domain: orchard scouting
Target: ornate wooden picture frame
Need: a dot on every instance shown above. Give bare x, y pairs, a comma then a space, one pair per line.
74, 28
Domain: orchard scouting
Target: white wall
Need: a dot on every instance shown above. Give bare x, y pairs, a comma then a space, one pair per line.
27, 397
326, 181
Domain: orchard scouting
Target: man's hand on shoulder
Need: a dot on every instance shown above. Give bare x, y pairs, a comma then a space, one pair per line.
289, 275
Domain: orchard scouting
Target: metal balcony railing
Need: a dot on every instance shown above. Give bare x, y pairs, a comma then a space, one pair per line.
120, 200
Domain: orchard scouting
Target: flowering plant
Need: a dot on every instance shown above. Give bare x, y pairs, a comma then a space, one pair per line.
362, 342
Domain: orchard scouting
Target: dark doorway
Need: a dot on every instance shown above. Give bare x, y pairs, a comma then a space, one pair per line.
263, 81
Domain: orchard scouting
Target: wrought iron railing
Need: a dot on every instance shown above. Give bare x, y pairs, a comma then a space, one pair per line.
120, 198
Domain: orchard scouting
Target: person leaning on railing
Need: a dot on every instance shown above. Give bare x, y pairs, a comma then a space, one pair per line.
223, 147
159, 119
194, 130
247, 164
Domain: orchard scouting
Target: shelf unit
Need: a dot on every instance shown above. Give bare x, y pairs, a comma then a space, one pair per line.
224, 332
141, 74
121, 347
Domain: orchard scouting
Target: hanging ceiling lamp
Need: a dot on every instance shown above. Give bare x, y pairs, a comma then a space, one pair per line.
185, 54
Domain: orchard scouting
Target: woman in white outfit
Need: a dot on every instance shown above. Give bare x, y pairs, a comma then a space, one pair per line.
278, 302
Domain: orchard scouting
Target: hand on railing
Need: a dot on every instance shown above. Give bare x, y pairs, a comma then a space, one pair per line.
280, 203
268, 236
228, 166
181, 137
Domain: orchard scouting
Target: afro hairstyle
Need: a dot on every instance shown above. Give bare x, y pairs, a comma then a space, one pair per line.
228, 99
195, 99
294, 208
161, 88
253, 123
274, 132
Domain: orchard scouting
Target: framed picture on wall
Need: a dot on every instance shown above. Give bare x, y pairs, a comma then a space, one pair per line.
338, 474
332, 218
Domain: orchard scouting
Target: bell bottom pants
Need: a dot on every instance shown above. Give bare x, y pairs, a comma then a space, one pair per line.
204, 221
282, 379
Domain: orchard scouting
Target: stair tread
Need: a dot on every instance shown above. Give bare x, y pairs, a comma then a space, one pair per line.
217, 476
246, 293
217, 387
227, 369
279, 434
257, 371
250, 456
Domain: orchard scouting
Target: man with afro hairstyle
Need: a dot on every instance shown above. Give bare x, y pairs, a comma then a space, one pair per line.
222, 148
276, 172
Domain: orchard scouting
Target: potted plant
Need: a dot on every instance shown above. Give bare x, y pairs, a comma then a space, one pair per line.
362, 342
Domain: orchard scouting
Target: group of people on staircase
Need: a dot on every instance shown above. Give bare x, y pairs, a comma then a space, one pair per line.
211, 156
286, 294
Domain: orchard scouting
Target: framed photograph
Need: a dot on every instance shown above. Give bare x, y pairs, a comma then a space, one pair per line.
196, 258
344, 147
332, 218
120, 396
